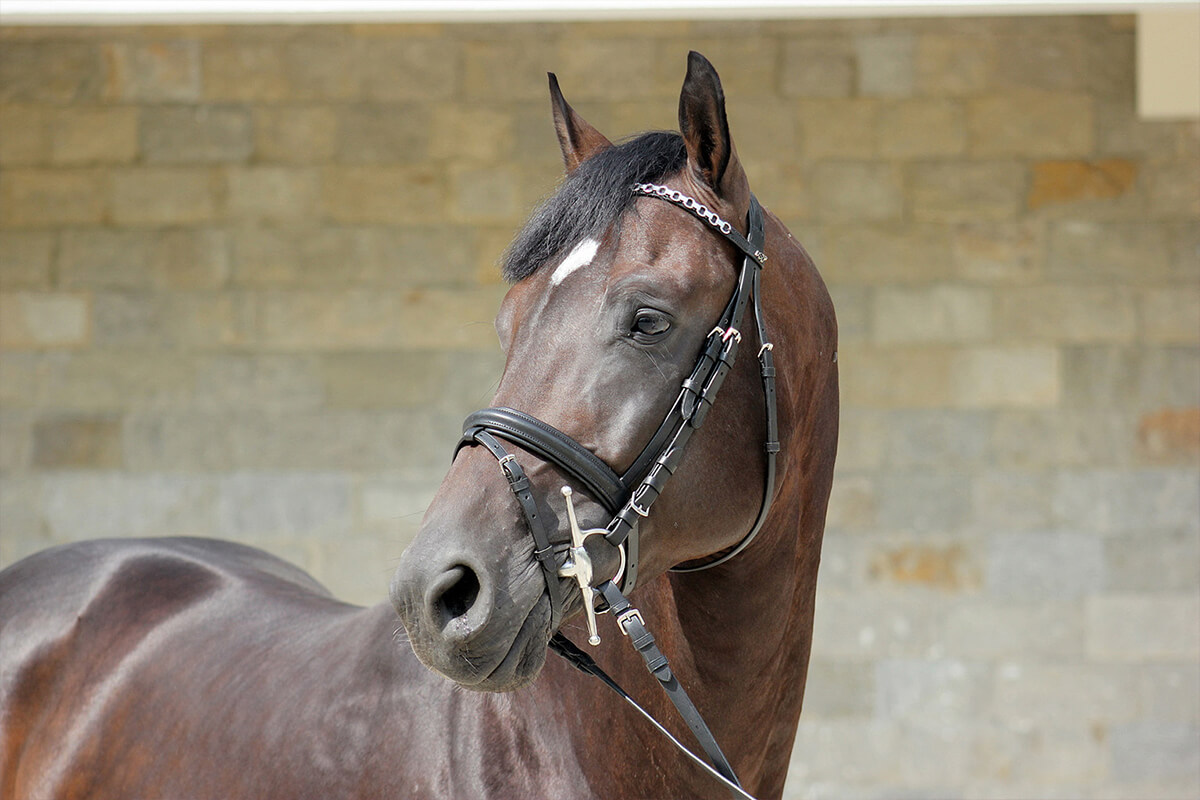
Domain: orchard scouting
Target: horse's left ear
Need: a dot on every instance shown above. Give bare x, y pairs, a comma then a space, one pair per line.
576, 137
711, 156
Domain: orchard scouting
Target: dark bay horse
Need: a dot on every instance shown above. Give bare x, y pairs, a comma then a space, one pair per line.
191, 669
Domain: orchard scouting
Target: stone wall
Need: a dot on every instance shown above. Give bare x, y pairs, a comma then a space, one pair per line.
248, 279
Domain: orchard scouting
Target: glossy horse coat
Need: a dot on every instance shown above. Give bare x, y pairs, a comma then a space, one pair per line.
199, 669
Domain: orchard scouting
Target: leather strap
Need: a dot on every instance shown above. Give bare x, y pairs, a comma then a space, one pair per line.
549, 443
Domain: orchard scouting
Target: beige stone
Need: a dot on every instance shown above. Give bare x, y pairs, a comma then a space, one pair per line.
858, 191
954, 65
817, 67
896, 377
1074, 314
944, 313
94, 136
155, 71
25, 258
271, 193
43, 320
946, 191
77, 443
838, 128
39, 198
1058, 182
24, 135
199, 134
1170, 316
1031, 123
163, 196
388, 194
922, 129
244, 71
1005, 377
303, 134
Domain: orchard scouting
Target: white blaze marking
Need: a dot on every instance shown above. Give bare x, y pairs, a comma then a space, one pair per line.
581, 256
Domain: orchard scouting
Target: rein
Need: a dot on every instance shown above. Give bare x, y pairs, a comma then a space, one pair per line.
630, 496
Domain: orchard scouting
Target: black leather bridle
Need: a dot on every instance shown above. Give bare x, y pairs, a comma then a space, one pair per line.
630, 496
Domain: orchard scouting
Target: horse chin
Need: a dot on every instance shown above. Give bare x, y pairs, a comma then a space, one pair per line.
526, 656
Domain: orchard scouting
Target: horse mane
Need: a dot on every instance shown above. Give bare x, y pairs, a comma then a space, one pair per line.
591, 199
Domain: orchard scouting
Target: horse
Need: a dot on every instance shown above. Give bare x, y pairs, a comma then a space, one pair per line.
192, 668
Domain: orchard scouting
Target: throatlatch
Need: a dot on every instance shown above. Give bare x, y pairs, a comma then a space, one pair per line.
629, 497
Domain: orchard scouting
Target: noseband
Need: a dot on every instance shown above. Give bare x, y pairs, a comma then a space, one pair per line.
629, 497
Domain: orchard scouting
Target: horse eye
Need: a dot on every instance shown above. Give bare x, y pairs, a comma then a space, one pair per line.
650, 323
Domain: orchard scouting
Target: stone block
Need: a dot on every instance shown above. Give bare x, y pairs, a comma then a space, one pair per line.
939, 439
1148, 751
77, 443
410, 69
818, 67
16, 441
1170, 435
749, 63
873, 255
858, 191
106, 504
382, 380
871, 624
270, 193
25, 258
26, 139
1040, 61
253, 506
485, 194
331, 68
895, 377
154, 71
762, 131
40, 198
999, 252
952, 64
1130, 378
1024, 124
1170, 316
474, 134
608, 69
106, 135
862, 438
1141, 627
37, 320
202, 320
1031, 696
295, 134
256, 381
244, 71
123, 259
111, 381
942, 313
922, 128
1168, 692
1049, 438
841, 128
513, 70
931, 693
937, 566
987, 629
195, 134
1065, 182
1120, 501
839, 689
53, 72
358, 568
1171, 189
1071, 314
924, 502
1153, 561
385, 134
383, 194
1041, 564
163, 196
394, 504
886, 64
378, 319
967, 191
1185, 251
1005, 377
1010, 500
1130, 252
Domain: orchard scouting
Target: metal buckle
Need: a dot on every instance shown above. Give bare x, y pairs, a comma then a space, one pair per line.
734, 332
627, 616
766, 346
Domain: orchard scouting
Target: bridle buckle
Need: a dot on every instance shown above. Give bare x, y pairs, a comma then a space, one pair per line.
627, 617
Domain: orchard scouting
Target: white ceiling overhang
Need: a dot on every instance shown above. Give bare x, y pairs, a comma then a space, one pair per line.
74, 12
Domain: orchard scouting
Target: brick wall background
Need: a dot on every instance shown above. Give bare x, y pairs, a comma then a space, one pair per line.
247, 281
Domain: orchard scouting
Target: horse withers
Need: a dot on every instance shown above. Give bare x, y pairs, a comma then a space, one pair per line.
187, 668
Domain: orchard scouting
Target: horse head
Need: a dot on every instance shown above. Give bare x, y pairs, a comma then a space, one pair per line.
614, 294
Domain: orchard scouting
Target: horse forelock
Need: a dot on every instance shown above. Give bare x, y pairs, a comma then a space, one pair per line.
591, 199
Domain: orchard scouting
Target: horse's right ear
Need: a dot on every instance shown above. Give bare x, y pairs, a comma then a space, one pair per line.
576, 138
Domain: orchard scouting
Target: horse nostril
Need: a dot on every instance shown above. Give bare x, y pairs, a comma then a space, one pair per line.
456, 592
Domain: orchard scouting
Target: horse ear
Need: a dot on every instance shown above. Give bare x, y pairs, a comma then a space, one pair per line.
576, 138
711, 156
